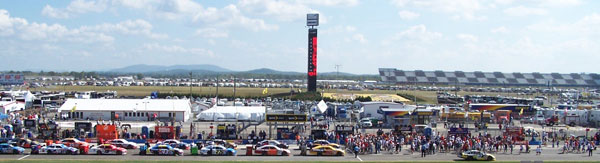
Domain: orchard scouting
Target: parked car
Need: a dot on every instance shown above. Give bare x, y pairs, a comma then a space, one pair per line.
6, 148
476, 155
271, 142
217, 150
224, 143
325, 150
105, 149
57, 149
324, 142
271, 150
160, 149
366, 123
176, 144
123, 144
76, 143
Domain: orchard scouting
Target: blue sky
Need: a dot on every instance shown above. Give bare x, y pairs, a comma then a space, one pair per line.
361, 36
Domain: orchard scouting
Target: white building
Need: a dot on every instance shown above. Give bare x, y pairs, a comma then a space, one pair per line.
127, 109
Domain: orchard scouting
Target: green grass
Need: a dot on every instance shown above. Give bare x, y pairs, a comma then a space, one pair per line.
429, 97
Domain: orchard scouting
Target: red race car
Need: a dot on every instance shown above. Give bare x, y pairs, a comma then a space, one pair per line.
75, 143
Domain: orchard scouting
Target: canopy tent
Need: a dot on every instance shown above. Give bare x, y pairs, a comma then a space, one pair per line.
233, 113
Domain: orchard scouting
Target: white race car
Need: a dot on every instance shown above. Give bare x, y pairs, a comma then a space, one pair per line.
107, 149
123, 143
58, 149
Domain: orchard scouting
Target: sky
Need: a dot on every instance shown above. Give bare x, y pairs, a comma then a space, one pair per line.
359, 35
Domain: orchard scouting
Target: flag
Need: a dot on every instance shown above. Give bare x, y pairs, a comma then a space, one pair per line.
73, 109
265, 91
521, 113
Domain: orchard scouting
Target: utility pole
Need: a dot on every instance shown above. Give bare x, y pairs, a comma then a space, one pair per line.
191, 87
234, 89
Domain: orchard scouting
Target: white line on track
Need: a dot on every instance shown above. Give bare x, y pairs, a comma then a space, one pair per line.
359, 158
24, 157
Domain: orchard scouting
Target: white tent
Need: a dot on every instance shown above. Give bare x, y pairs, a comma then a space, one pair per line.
233, 113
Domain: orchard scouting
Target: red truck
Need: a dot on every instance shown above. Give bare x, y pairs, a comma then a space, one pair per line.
553, 120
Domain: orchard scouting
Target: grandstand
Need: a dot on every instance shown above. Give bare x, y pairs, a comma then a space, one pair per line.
395, 76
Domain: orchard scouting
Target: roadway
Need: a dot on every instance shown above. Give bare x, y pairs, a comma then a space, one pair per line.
548, 154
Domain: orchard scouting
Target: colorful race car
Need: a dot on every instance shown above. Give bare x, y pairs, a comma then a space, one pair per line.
22, 142
6, 148
123, 144
57, 149
75, 143
325, 150
224, 143
108, 149
160, 149
217, 150
324, 143
271, 142
476, 155
176, 144
271, 150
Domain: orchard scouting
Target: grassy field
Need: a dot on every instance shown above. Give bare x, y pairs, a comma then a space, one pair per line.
140, 91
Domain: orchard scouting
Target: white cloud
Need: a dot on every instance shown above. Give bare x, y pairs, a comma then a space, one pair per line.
75, 7
52, 12
458, 9
467, 37
407, 15
211, 33
359, 37
347, 3
584, 27
177, 49
501, 29
282, 10
559, 3
230, 16
504, 2
130, 27
524, 11
414, 34
22, 29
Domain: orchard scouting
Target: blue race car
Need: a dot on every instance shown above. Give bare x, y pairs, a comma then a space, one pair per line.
6, 148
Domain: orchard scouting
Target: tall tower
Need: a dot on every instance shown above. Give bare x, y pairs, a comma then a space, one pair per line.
312, 20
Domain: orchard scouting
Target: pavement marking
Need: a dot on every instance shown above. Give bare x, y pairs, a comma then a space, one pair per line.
24, 157
359, 158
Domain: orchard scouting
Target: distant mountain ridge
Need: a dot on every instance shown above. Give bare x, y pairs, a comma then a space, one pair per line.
208, 69
143, 68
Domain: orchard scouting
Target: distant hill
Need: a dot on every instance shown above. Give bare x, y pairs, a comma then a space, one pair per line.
142, 68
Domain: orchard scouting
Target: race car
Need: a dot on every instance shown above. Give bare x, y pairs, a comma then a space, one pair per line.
123, 144
176, 144
75, 143
224, 143
217, 150
325, 150
160, 149
22, 142
323, 143
476, 155
110, 149
6, 148
271, 150
57, 149
271, 142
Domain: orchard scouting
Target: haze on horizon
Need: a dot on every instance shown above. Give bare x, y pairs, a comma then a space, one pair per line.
361, 36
